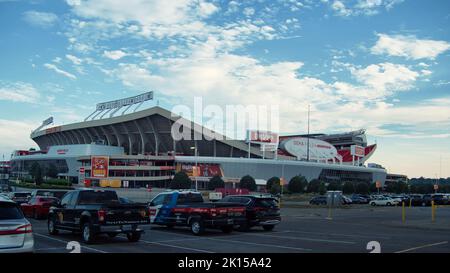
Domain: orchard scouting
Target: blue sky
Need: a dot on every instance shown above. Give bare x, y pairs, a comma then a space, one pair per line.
382, 65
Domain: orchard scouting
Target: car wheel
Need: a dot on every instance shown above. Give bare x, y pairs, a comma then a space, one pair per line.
87, 233
134, 236
244, 227
51, 226
423, 204
388, 204
197, 227
227, 229
268, 227
373, 204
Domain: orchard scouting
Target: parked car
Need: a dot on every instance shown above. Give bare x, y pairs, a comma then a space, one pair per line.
397, 198
426, 200
415, 199
357, 199
16, 233
346, 200
441, 199
20, 197
38, 206
50, 193
318, 200
187, 208
260, 210
383, 201
97, 211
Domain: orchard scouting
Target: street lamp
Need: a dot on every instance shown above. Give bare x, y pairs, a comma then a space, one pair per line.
196, 170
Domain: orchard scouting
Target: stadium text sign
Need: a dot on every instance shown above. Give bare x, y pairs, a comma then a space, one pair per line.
125, 102
100, 165
318, 149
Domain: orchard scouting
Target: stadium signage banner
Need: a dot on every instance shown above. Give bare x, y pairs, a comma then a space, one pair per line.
318, 149
125, 102
356, 150
100, 166
262, 137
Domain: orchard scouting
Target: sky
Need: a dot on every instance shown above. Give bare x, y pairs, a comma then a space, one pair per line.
381, 65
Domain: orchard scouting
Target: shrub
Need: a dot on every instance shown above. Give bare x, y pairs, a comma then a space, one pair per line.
348, 188
247, 182
362, 188
180, 181
271, 182
216, 182
297, 184
314, 185
334, 186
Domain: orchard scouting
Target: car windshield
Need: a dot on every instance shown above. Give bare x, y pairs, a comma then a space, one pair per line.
10, 211
185, 198
266, 202
97, 197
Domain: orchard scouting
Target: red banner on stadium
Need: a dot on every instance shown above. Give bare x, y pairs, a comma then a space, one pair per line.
100, 166
203, 170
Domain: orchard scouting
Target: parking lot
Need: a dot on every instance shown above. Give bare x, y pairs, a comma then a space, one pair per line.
302, 230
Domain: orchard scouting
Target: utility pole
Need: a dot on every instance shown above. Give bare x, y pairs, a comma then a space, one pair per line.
307, 148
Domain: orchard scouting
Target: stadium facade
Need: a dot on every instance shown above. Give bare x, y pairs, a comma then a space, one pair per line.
140, 151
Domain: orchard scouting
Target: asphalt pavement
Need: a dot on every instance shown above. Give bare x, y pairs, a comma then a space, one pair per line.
302, 230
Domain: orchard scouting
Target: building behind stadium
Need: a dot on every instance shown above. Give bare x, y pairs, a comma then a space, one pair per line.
137, 149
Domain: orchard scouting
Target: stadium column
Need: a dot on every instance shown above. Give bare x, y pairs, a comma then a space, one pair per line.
118, 136
141, 133
155, 134
128, 133
89, 135
107, 135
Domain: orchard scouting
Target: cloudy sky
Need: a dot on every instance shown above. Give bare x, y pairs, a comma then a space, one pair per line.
382, 65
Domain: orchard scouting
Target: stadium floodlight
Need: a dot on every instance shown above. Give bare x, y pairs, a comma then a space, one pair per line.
115, 105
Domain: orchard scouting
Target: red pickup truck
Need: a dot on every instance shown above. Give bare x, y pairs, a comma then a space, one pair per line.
187, 208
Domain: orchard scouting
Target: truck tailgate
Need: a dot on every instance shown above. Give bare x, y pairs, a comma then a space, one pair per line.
126, 214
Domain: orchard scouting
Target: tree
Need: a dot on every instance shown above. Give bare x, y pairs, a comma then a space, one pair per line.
272, 181
247, 182
52, 171
216, 182
297, 184
314, 185
180, 181
322, 188
334, 186
373, 187
362, 188
36, 173
348, 188
402, 187
275, 189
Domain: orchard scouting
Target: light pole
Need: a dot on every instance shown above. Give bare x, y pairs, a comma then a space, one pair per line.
196, 166
307, 145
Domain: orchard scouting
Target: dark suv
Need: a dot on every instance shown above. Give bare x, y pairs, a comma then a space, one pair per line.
260, 210
318, 200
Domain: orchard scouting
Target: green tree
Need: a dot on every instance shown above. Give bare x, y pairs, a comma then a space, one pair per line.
272, 181
216, 182
52, 171
180, 181
373, 188
334, 186
322, 188
348, 188
275, 189
362, 188
297, 184
36, 173
247, 182
402, 187
314, 185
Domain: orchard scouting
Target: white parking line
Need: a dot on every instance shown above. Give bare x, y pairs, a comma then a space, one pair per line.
174, 246
304, 239
424, 246
258, 244
339, 234
65, 242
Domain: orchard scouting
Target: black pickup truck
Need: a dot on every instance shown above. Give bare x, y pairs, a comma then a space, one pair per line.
92, 212
187, 208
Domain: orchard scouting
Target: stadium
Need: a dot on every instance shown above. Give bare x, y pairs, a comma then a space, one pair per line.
137, 149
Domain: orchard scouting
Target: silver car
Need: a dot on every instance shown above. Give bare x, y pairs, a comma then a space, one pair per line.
16, 233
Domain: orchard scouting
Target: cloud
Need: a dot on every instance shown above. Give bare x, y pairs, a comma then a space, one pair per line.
361, 7
75, 60
40, 19
114, 55
60, 71
409, 47
18, 92
15, 135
